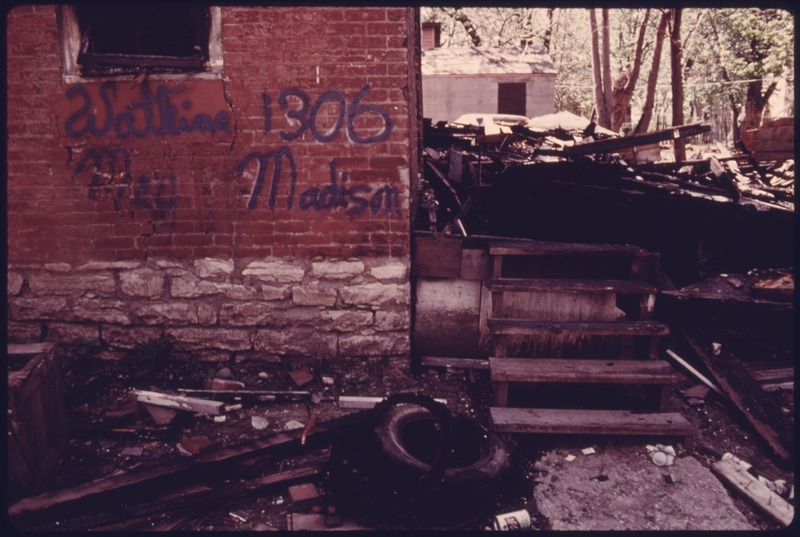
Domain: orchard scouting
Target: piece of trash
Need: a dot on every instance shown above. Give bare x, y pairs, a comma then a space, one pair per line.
716, 348
220, 419
309, 426
183, 451
513, 521
328, 380
301, 376
259, 423
236, 406
278, 501
134, 451
294, 424
733, 458
662, 455
316, 398
570, 457
263, 375
671, 478
224, 373
588, 451
240, 518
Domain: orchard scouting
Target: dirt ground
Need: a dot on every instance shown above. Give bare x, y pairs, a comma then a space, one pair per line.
616, 488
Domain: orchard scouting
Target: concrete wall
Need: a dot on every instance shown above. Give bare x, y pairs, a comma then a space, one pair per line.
444, 98
261, 213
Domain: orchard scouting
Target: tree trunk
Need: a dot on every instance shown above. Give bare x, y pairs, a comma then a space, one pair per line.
548, 34
755, 104
626, 84
676, 61
652, 78
605, 62
600, 102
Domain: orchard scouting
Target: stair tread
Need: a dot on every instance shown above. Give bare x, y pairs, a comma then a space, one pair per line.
570, 285
583, 421
498, 248
599, 328
582, 370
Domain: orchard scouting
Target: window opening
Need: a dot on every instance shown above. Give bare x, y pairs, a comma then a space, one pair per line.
125, 38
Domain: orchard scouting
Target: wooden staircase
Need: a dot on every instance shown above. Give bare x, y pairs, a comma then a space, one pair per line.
578, 314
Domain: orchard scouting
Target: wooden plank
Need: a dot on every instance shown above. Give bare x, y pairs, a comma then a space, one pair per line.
84, 498
455, 363
608, 328
316, 522
745, 393
474, 264
569, 285
29, 349
353, 401
749, 486
259, 395
535, 248
583, 421
611, 144
582, 371
436, 255
178, 402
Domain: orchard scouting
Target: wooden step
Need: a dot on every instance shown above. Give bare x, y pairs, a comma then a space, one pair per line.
505, 371
590, 422
455, 363
587, 328
582, 371
534, 248
569, 285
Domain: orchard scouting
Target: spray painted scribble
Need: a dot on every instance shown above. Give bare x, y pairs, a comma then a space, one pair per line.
154, 114
109, 171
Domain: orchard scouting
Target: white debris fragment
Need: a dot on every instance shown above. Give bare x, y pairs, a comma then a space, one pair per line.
259, 423
294, 424
733, 458
588, 451
570, 457
662, 455
219, 419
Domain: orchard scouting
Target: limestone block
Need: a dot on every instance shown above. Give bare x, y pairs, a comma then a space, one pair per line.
313, 295
24, 332
129, 338
206, 314
306, 342
246, 313
109, 265
211, 338
14, 284
31, 309
213, 268
391, 271
142, 282
346, 320
375, 294
72, 284
70, 333
105, 311
189, 286
57, 267
274, 292
387, 321
374, 345
336, 270
169, 313
275, 271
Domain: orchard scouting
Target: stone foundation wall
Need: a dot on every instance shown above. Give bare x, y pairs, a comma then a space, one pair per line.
217, 308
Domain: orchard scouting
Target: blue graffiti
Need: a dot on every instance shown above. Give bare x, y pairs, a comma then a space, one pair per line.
154, 114
305, 117
110, 170
355, 199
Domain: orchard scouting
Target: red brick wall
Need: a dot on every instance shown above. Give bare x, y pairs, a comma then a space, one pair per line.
85, 184
301, 153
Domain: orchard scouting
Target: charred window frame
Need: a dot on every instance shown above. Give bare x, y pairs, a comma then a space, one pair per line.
109, 39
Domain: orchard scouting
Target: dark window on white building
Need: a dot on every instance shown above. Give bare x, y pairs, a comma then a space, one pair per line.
511, 98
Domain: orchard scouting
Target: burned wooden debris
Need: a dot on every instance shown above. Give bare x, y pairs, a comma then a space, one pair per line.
575, 185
